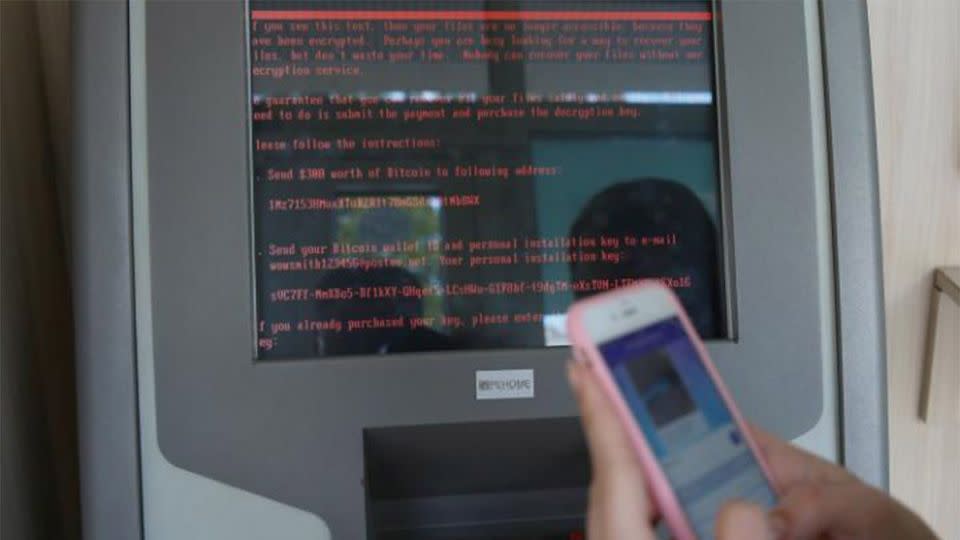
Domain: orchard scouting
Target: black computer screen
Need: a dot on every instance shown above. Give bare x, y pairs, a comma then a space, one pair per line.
452, 175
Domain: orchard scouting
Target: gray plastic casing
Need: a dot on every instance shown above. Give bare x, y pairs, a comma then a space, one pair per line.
291, 431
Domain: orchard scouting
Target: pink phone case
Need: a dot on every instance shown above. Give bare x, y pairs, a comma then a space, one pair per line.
663, 495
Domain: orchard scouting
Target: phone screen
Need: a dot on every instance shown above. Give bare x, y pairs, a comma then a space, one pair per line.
686, 422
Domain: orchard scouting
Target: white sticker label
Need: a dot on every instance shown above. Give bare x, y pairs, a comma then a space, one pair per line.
505, 384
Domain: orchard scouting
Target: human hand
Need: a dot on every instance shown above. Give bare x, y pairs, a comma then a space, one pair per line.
818, 500
618, 507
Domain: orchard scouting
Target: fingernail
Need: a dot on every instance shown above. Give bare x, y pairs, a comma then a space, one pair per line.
778, 526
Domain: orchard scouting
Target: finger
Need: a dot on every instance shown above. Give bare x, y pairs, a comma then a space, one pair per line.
611, 450
619, 507
740, 520
791, 466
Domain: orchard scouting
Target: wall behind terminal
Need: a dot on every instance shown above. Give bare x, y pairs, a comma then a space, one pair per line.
916, 71
38, 469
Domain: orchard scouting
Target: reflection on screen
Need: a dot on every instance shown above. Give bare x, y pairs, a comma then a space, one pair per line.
686, 422
436, 179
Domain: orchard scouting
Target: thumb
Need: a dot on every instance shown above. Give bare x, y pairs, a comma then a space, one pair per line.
745, 521
611, 450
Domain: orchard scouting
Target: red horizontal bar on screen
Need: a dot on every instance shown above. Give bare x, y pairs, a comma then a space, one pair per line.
321, 15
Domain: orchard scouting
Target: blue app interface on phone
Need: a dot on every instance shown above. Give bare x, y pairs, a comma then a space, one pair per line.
686, 422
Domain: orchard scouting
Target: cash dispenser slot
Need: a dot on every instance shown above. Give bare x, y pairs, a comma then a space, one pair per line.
509, 480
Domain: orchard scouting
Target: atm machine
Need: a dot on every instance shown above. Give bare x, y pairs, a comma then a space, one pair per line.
324, 248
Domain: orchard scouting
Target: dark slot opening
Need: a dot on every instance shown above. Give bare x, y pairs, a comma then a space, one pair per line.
509, 480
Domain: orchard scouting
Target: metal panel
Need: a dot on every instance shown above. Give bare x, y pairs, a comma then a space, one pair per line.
863, 372
102, 278
291, 431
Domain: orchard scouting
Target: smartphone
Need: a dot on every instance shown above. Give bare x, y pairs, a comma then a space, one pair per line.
692, 441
